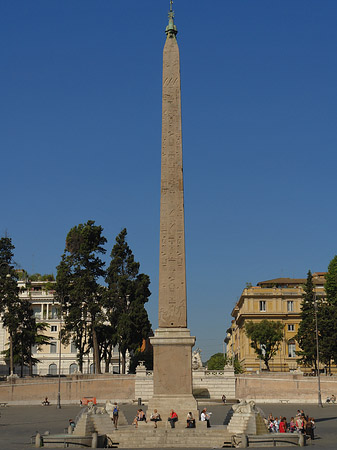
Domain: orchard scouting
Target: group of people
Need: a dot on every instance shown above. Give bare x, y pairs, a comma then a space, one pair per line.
173, 418
301, 423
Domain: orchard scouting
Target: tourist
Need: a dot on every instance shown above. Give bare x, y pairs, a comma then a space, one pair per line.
46, 402
283, 425
333, 398
223, 398
309, 430
72, 424
190, 420
292, 425
173, 418
300, 424
205, 417
115, 414
155, 417
140, 417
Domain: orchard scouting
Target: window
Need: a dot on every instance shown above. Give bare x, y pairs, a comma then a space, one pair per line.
54, 312
290, 306
53, 347
53, 328
291, 327
34, 348
262, 305
37, 311
73, 348
291, 349
52, 369
73, 368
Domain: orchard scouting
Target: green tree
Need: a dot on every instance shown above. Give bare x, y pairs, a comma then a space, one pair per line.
128, 291
78, 291
10, 303
306, 334
216, 362
327, 317
266, 337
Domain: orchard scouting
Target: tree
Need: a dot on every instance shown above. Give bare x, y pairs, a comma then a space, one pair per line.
78, 291
265, 337
306, 334
331, 282
128, 291
216, 362
10, 303
327, 317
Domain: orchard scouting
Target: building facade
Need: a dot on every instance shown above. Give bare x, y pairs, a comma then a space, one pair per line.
278, 300
46, 310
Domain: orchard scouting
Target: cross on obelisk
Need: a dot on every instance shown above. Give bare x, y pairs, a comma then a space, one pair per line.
172, 342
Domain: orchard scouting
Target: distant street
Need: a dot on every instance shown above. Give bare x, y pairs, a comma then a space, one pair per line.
18, 424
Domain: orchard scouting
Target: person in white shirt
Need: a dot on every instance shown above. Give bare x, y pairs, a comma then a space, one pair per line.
204, 417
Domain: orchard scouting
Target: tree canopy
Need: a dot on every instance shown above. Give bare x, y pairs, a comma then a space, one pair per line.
266, 337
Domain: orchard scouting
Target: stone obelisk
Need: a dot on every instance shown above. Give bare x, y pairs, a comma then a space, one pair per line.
172, 342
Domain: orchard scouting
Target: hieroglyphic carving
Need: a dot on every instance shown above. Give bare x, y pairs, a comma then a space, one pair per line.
172, 277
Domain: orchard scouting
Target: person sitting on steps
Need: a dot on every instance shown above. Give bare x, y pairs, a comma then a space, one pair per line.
204, 417
155, 417
140, 417
190, 420
173, 418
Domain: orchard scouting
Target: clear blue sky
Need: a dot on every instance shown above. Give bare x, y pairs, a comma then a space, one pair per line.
80, 127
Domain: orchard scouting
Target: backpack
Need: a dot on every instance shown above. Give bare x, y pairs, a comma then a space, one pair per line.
115, 410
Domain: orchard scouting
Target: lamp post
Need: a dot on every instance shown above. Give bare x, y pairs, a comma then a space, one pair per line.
58, 405
317, 355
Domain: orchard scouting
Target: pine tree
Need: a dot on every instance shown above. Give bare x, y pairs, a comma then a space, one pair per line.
306, 334
78, 291
128, 291
327, 317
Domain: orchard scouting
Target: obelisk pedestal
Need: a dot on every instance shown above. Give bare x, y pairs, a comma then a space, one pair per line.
172, 342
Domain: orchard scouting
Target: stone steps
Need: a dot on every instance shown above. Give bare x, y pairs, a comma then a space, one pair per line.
156, 438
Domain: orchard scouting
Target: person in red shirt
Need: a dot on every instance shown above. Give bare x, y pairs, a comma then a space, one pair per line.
173, 418
283, 425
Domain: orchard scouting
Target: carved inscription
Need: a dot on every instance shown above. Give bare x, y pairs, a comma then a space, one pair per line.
172, 276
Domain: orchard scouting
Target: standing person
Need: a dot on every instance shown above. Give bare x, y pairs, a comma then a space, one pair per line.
299, 424
292, 425
309, 428
115, 413
204, 417
283, 425
173, 418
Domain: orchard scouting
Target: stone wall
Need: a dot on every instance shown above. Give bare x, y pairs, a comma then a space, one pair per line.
206, 383
73, 388
283, 387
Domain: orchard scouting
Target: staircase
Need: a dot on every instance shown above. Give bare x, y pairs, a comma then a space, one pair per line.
165, 437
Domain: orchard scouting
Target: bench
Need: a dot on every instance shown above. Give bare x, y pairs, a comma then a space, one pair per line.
284, 401
3, 404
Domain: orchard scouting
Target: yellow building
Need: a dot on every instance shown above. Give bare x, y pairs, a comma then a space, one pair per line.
278, 300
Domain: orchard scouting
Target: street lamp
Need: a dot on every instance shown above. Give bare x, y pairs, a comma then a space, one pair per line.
58, 405
317, 355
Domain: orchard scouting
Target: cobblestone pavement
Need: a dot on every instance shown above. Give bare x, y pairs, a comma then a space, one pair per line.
18, 424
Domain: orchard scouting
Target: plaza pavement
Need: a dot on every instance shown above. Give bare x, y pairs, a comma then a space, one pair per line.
19, 423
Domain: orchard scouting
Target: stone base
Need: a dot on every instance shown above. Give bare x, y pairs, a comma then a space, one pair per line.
172, 373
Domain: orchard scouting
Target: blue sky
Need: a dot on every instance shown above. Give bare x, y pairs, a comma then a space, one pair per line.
80, 127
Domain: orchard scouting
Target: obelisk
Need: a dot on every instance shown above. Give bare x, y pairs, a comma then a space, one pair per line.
172, 342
